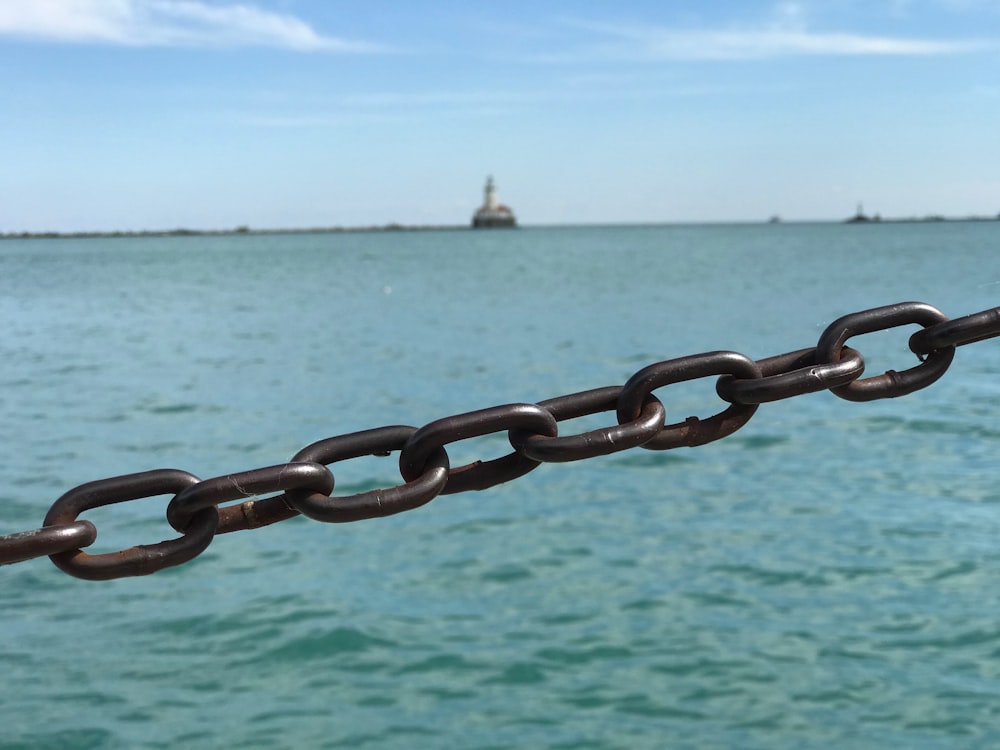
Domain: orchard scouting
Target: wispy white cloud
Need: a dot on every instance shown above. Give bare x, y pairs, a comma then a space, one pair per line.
785, 37
165, 23
395, 107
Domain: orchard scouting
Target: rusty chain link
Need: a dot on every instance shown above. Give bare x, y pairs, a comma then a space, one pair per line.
306, 483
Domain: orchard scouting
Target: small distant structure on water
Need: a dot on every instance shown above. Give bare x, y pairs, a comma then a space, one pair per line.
492, 213
860, 217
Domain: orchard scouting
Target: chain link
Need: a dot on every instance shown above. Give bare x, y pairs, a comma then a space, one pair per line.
891, 383
306, 484
380, 441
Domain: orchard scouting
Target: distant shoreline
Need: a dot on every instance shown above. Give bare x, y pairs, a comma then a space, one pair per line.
859, 219
876, 219
224, 232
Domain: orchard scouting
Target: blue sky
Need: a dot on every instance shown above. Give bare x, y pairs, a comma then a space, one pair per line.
156, 114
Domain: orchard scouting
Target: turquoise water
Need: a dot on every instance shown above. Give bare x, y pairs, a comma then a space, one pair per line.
826, 577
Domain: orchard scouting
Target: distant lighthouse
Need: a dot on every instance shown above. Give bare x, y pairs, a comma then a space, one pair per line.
492, 213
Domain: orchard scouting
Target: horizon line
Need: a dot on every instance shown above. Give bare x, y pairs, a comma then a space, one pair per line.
398, 227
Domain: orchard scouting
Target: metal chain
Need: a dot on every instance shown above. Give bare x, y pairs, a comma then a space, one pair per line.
306, 483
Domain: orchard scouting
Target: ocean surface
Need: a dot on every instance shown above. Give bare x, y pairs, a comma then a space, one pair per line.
828, 576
